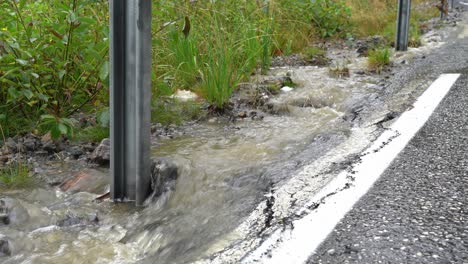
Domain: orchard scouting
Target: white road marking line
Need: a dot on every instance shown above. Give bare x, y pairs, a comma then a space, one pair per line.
297, 245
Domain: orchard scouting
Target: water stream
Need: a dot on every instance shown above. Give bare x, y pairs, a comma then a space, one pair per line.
225, 169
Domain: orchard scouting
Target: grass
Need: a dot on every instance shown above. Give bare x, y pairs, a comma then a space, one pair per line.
378, 59
54, 52
92, 134
377, 17
15, 176
315, 54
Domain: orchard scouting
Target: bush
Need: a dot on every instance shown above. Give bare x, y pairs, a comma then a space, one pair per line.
54, 58
330, 16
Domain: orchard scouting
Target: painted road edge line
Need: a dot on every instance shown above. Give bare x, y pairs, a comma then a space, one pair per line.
296, 245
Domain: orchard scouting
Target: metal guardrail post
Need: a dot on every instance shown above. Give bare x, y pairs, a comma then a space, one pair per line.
403, 22
130, 99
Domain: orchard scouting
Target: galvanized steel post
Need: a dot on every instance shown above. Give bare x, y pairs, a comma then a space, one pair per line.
404, 11
130, 99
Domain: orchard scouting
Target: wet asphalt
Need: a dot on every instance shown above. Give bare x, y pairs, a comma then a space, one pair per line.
417, 212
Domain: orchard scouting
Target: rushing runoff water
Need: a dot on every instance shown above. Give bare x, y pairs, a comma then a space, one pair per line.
224, 172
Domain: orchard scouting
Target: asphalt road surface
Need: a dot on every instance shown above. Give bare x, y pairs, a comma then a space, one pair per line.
417, 212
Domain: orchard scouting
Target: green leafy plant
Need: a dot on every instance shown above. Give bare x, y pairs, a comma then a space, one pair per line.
57, 126
331, 17
54, 57
97, 132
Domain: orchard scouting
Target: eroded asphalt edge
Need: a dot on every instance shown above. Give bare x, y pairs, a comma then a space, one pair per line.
426, 70
416, 212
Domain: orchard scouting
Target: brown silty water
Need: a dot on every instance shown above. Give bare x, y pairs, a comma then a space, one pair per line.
225, 169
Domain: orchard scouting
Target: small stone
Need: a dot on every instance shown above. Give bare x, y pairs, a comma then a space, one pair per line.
286, 89
4, 159
30, 144
101, 155
50, 147
76, 152
46, 137
11, 145
185, 96
242, 114
212, 120
41, 153
38, 170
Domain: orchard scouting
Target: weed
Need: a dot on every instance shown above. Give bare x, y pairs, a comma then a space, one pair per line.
185, 52
378, 59
315, 55
15, 176
339, 70
92, 134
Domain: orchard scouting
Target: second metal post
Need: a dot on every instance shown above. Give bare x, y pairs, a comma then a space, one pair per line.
403, 23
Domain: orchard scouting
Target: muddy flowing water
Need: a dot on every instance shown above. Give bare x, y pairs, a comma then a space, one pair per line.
225, 170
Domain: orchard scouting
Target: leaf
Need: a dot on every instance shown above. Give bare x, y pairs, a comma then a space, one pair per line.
22, 62
55, 132
32, 103
28, 94
61, 74
63, 129
94, 54
186, 29
104, 73
47, 117
104, 118
42, 97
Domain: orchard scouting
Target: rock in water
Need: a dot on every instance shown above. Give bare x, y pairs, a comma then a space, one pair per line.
101, 155
12, 212
164, 175
4, 218
5, 249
